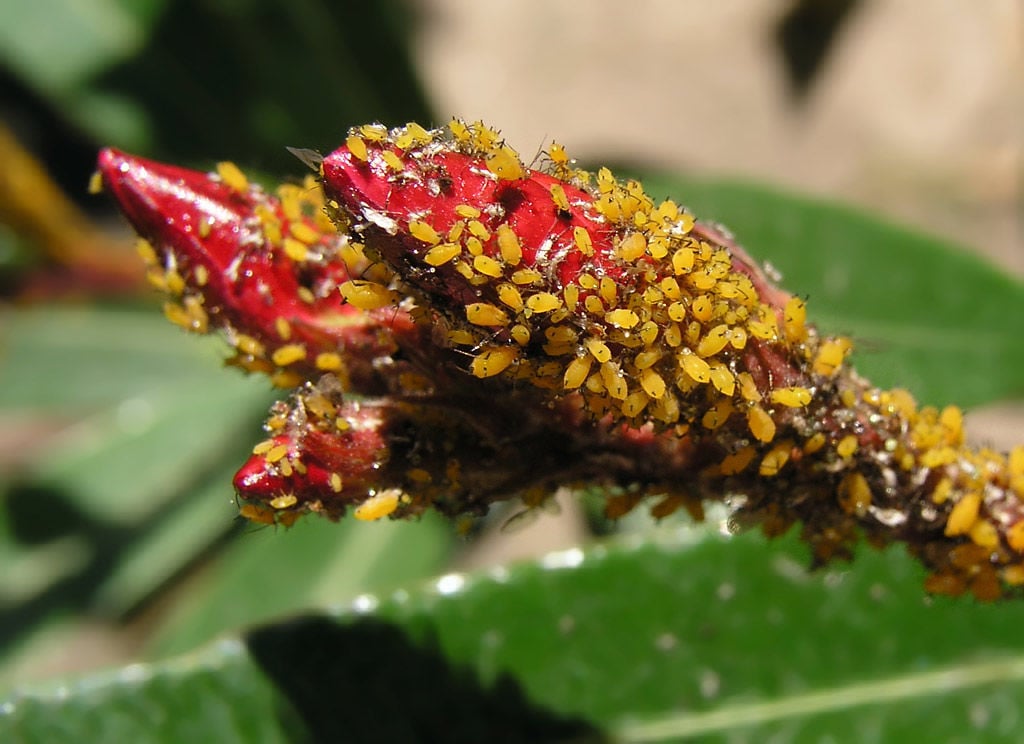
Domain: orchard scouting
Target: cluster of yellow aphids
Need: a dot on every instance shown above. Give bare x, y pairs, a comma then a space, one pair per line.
468, 329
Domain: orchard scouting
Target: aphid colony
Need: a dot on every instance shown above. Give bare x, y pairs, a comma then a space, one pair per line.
462, 329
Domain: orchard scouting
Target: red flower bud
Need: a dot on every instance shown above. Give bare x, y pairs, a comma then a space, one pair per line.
265, 269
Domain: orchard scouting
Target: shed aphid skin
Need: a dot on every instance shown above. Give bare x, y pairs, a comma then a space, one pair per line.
513, 330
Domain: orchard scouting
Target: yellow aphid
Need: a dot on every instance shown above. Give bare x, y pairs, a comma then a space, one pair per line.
412, 134
682, 261
559, 157
263, 447
232, 177
583, 241
285, 379
357, 146
504, 163
847, 446
622, 318
830, 356
737, 462
695, 367
543, 302
256, 513
367, 295
671, 288
145, 251
614, 381
594, 305
658, 247
964, 514
748, 388
527, 276
493, 361
487, 266
646, 359
467, 211
608, 290
713, 341
392, 161
374, 132
762, 426
854, 494
652, 383
508, 245
761, 330
303, 232
177, 315
559, 198
335, 482
792, 397
509, 295
576, 372
378, 506
1015, 536
718, 414
673, 335
775, 459
96, 183
485, 314
814, 443
952, 418
455, 231
738, 338
598, 349
442, 254
984, 534
283, 328
1015, 462
296, 250
284, 501
632, 247
560, 335
677, 312
175, 281
795, 318
938, 457
328, 361
702, 308
722, 379
276, 453
461, 337
571, 293
422, 231
249, 345
634, 404
478, 230
288, 354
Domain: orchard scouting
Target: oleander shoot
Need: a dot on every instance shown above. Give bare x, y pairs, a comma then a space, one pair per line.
458, 328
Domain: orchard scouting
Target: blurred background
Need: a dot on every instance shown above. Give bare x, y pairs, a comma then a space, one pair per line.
119, 434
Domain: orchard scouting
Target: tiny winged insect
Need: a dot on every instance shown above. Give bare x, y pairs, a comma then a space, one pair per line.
459, 329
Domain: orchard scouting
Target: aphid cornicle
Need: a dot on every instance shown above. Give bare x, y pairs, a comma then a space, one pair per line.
514, 330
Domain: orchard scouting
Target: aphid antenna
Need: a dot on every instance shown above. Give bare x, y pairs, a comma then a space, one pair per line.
540, 152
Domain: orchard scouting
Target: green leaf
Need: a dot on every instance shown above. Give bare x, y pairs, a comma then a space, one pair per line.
55, 44
215, 695
147, 407
686, 636
926, 315
270, 572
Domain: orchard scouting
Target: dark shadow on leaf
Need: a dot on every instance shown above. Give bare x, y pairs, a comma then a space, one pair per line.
368, 681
